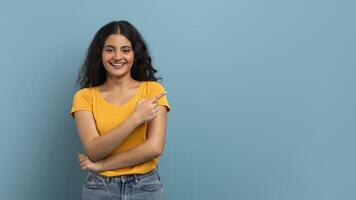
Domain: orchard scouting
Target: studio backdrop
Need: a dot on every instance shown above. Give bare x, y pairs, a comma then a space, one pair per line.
262, 96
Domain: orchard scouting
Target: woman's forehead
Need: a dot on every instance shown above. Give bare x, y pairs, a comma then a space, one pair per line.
117, 40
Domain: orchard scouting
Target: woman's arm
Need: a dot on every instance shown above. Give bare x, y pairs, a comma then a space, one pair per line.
151, 148
98, 147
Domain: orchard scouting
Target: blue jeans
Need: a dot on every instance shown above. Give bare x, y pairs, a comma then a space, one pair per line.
126, 187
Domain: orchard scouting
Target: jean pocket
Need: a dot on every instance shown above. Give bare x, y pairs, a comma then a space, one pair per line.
93, 182
151, 183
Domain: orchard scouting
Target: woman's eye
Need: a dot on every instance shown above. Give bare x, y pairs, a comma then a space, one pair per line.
109, 50
126, 50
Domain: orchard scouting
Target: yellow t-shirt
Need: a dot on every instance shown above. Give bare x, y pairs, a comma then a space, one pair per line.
107, 116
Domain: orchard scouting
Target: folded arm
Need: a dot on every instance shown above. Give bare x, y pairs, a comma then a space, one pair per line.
98, 147
95, 146
151, 148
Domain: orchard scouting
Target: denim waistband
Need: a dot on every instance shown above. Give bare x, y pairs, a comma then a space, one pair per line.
123, 178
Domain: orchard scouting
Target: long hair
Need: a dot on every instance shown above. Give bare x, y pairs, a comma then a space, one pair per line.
93, 73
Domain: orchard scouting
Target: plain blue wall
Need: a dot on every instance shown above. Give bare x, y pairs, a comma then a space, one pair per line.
262, 95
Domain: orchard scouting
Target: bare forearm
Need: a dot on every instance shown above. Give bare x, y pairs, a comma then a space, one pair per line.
102, 146
142, 153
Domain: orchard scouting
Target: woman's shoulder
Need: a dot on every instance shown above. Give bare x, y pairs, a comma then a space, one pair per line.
88, 92
152, 87
152, 84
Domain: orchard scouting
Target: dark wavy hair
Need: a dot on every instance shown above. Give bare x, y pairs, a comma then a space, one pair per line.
93, 73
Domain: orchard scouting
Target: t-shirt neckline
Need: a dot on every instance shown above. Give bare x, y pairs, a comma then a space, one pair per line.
119, 105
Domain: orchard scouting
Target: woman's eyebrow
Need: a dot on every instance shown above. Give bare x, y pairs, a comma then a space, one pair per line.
108, 45
112, 46
126, 47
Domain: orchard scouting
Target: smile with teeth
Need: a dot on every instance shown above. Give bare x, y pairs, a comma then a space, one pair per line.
118, 65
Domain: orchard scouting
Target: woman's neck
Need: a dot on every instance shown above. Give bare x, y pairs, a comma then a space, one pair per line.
119, 84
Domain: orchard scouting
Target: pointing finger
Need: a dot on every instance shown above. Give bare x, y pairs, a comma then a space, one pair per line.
158, 97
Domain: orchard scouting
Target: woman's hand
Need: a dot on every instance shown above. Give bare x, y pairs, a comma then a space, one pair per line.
87, 164
146, 109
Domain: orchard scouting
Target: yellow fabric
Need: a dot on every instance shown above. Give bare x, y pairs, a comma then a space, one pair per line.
107, 116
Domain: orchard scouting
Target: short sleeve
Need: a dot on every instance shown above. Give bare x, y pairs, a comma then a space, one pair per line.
155, 89
82, 100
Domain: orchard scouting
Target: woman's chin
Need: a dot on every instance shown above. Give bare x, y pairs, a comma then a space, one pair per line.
118, 74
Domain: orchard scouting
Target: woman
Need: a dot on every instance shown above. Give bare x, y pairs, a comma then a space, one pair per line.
120, 113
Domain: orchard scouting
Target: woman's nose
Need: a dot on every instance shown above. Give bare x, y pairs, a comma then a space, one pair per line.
118, 55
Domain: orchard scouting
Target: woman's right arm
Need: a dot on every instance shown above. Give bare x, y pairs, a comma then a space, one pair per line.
97, 147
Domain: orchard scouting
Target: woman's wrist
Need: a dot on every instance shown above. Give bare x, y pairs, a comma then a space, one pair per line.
136, 119
101, 165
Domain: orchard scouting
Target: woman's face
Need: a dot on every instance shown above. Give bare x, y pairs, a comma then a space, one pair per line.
117, 55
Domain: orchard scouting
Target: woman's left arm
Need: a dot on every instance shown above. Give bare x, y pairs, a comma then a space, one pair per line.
151, 148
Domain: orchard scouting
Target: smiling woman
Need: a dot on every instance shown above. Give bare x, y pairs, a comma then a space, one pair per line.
117, 55
120, 113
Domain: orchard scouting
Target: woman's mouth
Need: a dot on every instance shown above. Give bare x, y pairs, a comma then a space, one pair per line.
118, 65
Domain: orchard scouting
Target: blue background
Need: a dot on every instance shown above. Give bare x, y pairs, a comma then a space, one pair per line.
262, 95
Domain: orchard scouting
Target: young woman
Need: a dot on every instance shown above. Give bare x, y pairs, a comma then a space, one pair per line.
120, 112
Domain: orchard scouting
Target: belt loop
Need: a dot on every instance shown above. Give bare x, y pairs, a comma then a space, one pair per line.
137, 177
